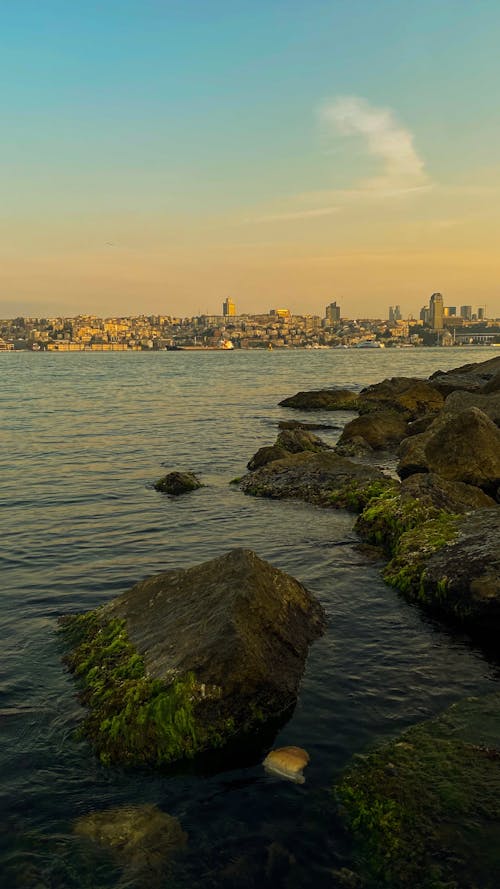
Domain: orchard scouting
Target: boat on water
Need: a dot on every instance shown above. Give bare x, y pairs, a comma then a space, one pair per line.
370, 344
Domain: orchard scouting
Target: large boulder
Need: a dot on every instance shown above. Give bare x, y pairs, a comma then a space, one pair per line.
487, 402
380, 430
188, 659
467, 449
409, 395
422, 810
325, 479
462, 446
322, 400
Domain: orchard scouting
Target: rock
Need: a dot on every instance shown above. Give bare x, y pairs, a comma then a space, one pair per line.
287, 762
176, 483
488, 403
296, 424
468, 377
381, 429
322, 400
408, 395
493, 385
189, 659
289, 441
296, 440
433, 818
462, 579
467, 449
355, 446
266, 455
141, 839
461, 446
416, 427
431, 489
316, 478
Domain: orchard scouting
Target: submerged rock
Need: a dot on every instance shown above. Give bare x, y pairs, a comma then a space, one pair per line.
188, 659
141, 839
322, 400
423, 810
176, 483
287, 762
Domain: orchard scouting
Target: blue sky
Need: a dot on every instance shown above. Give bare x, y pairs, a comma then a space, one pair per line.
208, 144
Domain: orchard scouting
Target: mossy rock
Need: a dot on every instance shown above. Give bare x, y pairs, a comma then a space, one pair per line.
356, 495
424, 810
386, 517
406, 570
176, 483
188, 660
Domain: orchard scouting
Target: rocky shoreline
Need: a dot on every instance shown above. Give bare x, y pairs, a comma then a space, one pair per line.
188, 661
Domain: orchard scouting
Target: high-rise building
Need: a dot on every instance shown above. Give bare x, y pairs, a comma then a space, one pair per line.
332, 313
425, 314
480, 313
394, 314
466, 312
436, 311
228, 308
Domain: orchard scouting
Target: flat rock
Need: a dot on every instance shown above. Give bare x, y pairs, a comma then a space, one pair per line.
322, 400
310, 477
469, 377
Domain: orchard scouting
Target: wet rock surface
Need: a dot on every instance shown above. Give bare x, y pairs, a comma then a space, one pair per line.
176, 483
188, 659
380, 430
322, 400
315, 478
423, 809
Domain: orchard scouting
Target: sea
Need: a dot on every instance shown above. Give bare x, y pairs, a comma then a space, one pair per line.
83, 437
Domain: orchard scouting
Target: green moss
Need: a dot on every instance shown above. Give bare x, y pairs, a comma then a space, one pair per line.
236, 481
133, 718
424, 811
355, 495
388, 516
406, 570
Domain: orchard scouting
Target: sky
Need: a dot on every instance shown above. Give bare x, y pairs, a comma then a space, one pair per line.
160, 155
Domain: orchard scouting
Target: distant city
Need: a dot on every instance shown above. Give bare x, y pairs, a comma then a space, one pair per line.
437, 325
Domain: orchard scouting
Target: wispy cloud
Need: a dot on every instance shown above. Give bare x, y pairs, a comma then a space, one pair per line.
295, 215
386, 139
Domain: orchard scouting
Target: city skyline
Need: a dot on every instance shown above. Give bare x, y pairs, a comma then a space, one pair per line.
158, 155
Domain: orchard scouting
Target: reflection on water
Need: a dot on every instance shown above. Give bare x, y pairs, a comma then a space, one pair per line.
83, 438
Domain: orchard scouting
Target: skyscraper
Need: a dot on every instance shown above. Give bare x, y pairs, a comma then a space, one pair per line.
332, 313
466, 312
436, 311
228, 308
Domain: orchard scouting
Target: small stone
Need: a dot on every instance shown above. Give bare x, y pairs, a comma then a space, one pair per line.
176, 483
287, 762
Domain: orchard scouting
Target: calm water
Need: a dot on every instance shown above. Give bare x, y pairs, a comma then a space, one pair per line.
82, 438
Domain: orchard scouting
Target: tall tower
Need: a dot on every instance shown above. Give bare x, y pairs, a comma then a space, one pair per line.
228, 308
332, 313
436, 311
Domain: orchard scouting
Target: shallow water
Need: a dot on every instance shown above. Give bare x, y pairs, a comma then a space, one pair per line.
83, 437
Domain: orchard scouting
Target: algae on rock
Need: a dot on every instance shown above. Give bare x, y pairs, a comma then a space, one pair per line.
424, 810
188, 659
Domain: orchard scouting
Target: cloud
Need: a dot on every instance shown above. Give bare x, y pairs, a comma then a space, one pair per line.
386, 139
295, 215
